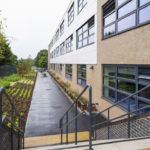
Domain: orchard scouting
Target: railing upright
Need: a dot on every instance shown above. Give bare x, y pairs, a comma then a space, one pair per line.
108, 124
76, 123
90, 118
1, 90
67, 128
128, 119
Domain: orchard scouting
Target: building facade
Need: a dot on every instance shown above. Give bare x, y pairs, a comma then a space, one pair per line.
106, 45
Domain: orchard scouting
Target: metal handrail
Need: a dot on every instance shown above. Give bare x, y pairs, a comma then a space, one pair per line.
13, 125
129, 113
76, 118
124, 99
86, 87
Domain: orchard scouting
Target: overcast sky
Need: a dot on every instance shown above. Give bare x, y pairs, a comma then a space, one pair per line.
31, 23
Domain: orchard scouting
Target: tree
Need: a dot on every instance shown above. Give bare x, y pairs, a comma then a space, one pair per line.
24, 67
42, 59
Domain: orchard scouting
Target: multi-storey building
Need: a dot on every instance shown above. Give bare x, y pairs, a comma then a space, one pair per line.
106, 44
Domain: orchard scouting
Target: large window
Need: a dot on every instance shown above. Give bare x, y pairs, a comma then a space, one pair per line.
69, 71
127, 15
121, 81
57, 52
85, 34
81, 75
69, 44
71, 14
62, 48
81, 5
62, 27
57, 35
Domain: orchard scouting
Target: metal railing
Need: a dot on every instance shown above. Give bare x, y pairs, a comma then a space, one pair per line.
127, 115
12, 125
76, 116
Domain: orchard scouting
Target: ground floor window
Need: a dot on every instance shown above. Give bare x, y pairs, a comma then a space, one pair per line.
120, 81
81, 75
69, 71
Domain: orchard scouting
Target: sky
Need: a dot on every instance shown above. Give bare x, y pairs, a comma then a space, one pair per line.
31, 23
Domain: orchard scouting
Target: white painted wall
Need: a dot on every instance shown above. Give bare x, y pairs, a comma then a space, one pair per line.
86, 55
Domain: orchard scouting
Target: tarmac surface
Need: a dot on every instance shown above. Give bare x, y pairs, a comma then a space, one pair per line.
48, 105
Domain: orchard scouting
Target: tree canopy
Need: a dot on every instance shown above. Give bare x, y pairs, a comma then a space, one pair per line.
6, 55
41, 59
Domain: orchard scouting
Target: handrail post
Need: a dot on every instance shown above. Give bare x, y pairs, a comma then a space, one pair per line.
108, 124
76, 123
1, 134
67, 128
129, 118
90, 118
61, 131
12, 128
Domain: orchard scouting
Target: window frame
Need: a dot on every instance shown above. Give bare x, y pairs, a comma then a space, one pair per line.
71, 14
136, 11
69, 44
81, 5
80, 72
68, 74
88, 32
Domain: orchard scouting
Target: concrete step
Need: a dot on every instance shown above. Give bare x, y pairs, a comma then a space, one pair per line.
54, 139
124, 144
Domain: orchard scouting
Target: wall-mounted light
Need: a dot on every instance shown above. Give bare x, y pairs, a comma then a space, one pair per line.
92, 67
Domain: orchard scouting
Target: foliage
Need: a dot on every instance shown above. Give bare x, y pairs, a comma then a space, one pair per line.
24, 66
42, 59
6, 81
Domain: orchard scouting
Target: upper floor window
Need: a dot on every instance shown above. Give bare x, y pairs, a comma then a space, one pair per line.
57, 35
81, 75
127, 15
71, 14
69, 44
85, 34
69, 71
62, 28
62, 48
81, 5
57, 51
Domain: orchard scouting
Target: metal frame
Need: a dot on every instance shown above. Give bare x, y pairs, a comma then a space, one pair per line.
136, 11
76, 115
115, 89
81, 5
80, 69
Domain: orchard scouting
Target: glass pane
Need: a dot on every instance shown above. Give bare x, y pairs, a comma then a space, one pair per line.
127, 23
126, 72
109, 30
79, 31
85, 41
126, 86
111, 82
129, 7
142, 2
111, 18
121, 2
79, 44
145, 93
91, 39
109, 70
80, 38
85, 34
121, 96
144, 14
109, 93
91, 30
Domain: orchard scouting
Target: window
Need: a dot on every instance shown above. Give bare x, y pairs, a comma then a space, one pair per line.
81, 75
81, 5
62, 28
85, 35
62, 48
120, 81
71, 14
57, 52
57, 35
127, 15
69, 71
69, 44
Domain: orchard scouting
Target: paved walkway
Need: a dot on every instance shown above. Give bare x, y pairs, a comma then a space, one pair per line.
48, 105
